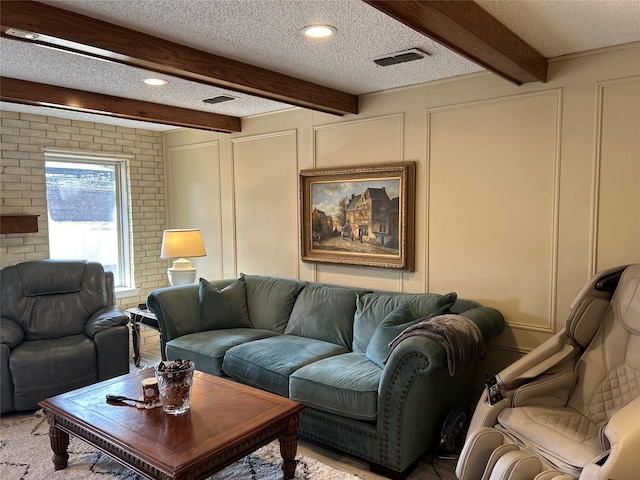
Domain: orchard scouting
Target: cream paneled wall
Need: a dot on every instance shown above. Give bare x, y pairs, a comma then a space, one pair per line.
359, 142
522, 192
617, 200
193, 193
494, 205
265, 195
374, 140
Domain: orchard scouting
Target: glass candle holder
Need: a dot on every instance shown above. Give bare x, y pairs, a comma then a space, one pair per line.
175, 379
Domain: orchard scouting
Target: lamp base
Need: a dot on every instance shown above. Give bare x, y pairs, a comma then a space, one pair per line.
181, 276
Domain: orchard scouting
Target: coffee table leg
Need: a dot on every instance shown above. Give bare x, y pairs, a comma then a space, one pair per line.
288, 449
59, 444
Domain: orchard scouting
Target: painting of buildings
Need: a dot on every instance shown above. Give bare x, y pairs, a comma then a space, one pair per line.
360, 216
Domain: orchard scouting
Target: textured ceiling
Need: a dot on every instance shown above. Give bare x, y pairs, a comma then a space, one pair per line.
266, 33
561, 27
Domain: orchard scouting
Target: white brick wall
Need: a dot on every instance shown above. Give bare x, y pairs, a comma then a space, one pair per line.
23, 188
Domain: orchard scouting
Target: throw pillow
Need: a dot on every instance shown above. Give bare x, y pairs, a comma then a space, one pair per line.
371, 307
270, 300
226, 308
325, 313
392, 325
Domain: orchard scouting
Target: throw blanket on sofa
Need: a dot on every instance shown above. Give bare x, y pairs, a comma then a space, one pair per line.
459, 336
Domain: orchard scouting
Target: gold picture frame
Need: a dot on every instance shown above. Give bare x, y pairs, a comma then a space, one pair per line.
359, 215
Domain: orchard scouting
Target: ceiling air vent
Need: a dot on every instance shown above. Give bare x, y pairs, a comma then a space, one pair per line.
400, 57
218, 99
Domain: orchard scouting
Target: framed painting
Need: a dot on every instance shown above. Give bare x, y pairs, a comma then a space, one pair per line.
359, 215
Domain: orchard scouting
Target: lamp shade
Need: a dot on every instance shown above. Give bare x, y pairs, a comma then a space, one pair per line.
182, 243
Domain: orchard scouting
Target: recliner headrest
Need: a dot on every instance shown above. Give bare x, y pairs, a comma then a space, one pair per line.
48, 277
627, 299
585, 318
600, 285
591, 304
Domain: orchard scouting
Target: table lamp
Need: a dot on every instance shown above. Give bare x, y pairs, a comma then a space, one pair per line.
181, 243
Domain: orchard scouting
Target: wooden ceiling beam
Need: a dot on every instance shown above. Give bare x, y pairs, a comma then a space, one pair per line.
467, 29
71, 31
32, 93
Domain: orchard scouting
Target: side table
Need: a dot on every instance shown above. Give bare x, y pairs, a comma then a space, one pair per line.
139, 317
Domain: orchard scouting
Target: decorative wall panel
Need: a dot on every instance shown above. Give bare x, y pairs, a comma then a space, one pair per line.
362, 142
193, 191
617, 186
492, 204
370, 141
266, 210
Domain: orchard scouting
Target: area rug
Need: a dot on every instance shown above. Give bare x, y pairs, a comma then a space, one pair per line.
25, 454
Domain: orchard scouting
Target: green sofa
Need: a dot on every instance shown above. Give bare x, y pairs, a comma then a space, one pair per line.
326, 346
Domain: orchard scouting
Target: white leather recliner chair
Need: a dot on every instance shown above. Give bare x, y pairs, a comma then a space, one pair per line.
570, 408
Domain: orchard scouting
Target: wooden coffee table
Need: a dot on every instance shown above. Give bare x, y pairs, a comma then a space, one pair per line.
226, 422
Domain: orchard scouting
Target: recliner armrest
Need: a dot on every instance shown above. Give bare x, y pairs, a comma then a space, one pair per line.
539, 360
11, 333
624, 436
485, 414
547, 390
107, 317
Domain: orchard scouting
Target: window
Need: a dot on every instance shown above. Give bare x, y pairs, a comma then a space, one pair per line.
88, 214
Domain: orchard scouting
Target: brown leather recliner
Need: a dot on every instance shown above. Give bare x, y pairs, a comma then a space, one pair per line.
571, 407
60, 330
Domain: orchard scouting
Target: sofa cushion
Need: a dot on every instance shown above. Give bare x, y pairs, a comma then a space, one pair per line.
393, 324
207, 349
345, 385
268, 363
225, 308
372, 308
324, 313
270, 300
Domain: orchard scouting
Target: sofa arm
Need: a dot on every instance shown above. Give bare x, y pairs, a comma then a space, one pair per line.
11, 333
177, 309
622, 460
107, 317
414, 391
489, 320
432, 356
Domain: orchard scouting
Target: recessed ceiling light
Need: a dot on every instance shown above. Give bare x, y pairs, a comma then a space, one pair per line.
319, 31
155, 82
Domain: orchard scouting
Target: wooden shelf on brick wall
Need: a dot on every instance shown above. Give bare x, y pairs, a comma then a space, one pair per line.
18, 223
